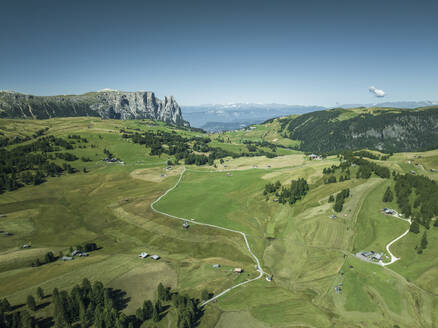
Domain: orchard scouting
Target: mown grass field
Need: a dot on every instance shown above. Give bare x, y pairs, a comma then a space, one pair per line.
306, 251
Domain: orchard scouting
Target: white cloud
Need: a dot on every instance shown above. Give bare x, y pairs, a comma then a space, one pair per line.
377, 92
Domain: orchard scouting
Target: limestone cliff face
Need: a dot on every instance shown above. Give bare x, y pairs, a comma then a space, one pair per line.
105, 104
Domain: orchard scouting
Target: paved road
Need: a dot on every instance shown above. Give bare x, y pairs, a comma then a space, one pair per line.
259, 268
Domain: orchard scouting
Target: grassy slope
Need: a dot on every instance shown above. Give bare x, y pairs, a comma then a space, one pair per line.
299, 245
259, 133
305, 251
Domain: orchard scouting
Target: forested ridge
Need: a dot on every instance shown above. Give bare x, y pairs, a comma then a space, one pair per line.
385, 130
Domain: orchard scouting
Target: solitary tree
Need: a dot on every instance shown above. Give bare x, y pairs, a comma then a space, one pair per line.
161, 292
40, 293
5, 306
31, 303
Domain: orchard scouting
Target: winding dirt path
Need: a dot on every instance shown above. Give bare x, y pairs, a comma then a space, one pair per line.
393, 257
259, 268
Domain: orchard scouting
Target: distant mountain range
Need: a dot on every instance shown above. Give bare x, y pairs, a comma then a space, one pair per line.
394, 104
221, 117
215, 118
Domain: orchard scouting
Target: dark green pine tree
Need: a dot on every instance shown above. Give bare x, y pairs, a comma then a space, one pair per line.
26, 320
86, 285
31, 304
388, 196
60, 320
148, 309
338, 205
83, 318
109, 303
140, 315
156, 313
331, 199
40, 293
122, 321
424, 241
161, 292
98, 317
5, 305
98, 293
415, 227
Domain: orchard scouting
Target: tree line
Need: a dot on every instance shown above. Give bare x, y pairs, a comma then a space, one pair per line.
340, 199
287, 194
94, 305
187, 149
417, 198
323, 131
30, 163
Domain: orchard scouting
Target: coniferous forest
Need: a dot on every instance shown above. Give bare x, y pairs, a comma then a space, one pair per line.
94, 305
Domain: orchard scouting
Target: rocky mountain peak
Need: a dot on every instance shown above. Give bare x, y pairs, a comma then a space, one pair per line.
106, 103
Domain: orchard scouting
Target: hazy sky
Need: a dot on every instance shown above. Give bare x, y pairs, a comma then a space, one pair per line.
294, 52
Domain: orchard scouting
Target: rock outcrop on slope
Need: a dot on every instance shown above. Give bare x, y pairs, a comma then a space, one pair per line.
111, 104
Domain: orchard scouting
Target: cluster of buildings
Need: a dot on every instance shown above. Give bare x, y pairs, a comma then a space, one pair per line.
144, 255
113, 160
67, 258
314, 157
338, 288
78, 253
388, 211
236, 270
370, 256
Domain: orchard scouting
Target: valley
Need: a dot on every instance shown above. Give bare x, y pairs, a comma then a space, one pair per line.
317, 280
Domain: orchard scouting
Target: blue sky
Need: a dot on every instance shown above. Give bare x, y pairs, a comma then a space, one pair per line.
293, 52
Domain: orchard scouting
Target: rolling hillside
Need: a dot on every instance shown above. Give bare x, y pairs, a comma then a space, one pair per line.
383, 129
102, 194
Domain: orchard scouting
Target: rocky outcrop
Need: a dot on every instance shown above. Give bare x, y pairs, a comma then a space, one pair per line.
110, 104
